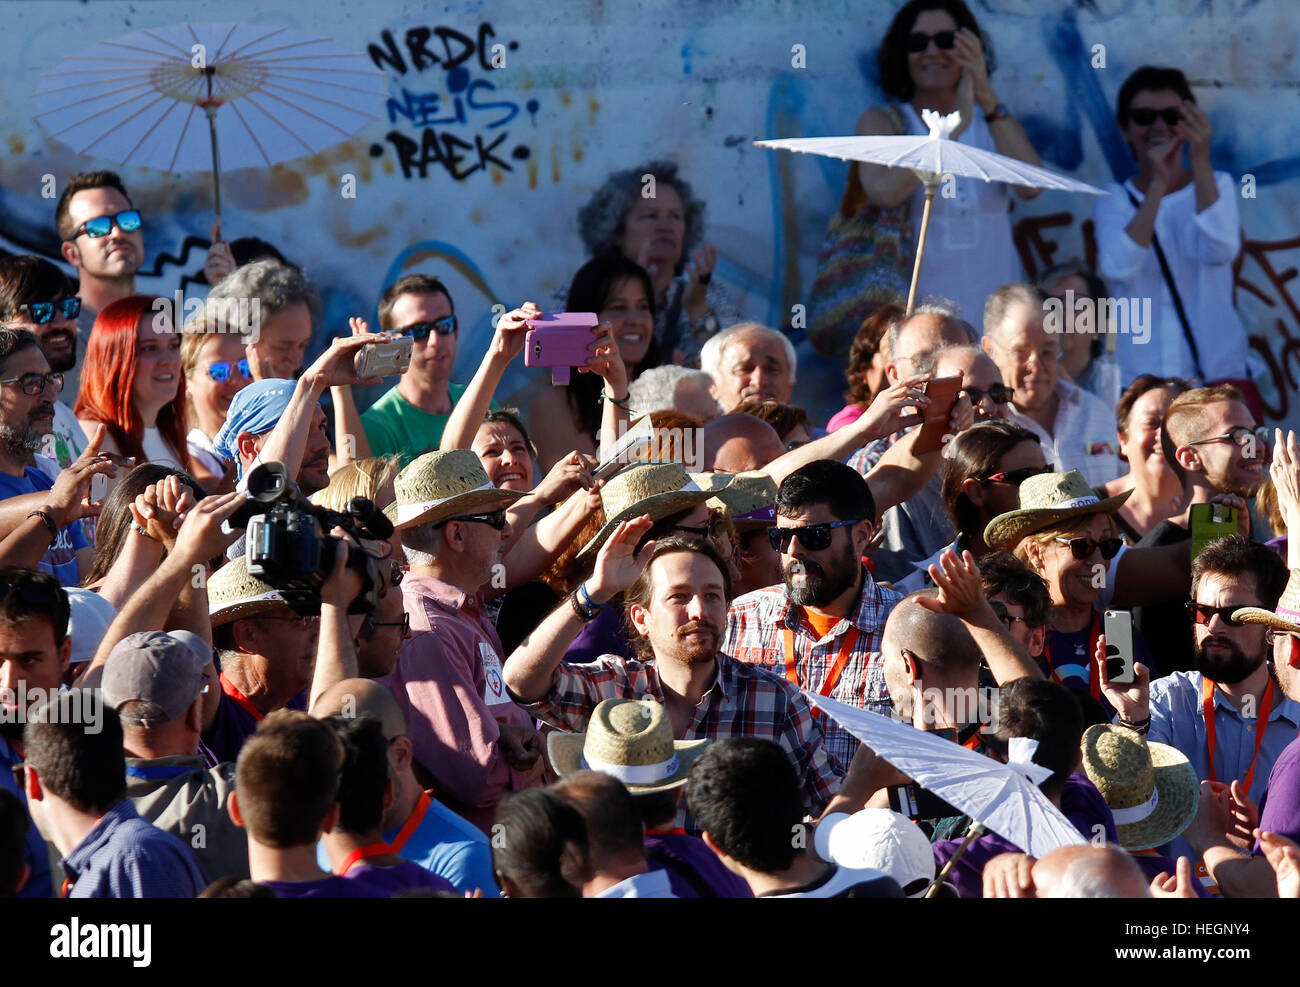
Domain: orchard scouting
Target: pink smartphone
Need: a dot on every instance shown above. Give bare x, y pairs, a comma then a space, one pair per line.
561, 341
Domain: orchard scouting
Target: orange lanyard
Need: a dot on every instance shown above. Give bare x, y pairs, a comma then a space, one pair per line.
1094, 680
412, 822
232, 690
837, 669
361, 853
1261, 724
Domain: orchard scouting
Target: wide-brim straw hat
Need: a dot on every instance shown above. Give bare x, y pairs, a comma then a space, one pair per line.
657, 489
1151, 789
631, 739
234, 594
749, 500
1287, 615
440, 485
1045, 501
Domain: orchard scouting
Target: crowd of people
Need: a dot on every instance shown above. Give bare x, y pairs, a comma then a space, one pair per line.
591, 648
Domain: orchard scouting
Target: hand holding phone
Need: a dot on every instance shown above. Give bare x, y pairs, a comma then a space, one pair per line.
387, 358
1121, 667
942, 393
561, 341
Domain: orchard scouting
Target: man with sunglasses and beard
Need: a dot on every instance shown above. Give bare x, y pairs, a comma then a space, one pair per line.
1212, 712
821, 627
36, 296
410, 418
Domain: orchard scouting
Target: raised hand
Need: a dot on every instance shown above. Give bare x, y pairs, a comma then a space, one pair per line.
200, 537
1132, 702
699, 273
511, 328
606, 360
1009, 875
618, 563
571, 473
219, 261
1176, 885
1284, 857
69, 498
1165, 159
886, 414
1195, 127
961, 591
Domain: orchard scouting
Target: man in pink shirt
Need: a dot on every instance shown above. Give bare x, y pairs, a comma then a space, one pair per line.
472, 744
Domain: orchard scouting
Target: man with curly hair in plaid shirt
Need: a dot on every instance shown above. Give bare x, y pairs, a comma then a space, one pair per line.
676, 607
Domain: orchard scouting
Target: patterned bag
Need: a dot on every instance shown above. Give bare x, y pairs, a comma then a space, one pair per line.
865, 261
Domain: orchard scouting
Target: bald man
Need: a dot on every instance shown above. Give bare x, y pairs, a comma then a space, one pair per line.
417, 828
739, 443
912, 343
1089, 872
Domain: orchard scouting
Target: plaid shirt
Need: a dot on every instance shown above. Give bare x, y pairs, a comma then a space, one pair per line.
755, 630
744, 701
866, 458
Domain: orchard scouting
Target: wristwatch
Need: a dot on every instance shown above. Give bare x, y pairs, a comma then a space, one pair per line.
1000, 112
707, 327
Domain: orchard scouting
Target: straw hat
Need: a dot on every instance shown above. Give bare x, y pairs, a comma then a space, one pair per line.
233, 594
1287, 615
749, 500
440, 485
1151, 788
658, 489
1045, 500
631, 739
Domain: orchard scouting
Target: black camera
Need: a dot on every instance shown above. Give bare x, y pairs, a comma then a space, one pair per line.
288, 544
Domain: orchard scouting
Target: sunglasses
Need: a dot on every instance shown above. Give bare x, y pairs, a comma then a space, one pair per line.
42, 312
446, 326
998, 393
1145, 116
1000, 611
220, 370
702, 530
1016, 477
813, 537
34, 383
1082, 548
101, 226
1202, 613
404, 624
918, 41
497, 519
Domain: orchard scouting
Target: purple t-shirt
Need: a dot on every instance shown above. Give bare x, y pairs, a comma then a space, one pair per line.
1081, 803
694, 871
602, 635
1279, 808
402, 877
328, 887
233, 725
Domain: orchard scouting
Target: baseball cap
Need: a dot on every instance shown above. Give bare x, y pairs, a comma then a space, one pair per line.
879, 839
162, 668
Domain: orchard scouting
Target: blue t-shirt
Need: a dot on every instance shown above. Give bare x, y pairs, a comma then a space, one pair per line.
35, 856
60, 560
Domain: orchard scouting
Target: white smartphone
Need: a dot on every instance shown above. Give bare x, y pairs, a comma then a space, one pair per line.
1121, 668
98, 487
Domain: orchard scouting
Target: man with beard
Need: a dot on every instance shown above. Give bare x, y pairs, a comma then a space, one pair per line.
27, 392
822, 626
36, 296
1211, 713
676, 603
1209, 439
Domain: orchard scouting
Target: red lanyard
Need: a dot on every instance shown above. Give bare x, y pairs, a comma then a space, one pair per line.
674, 831
1261, 725
361, 853
232, 690
1094, 680
412, 822
836, 670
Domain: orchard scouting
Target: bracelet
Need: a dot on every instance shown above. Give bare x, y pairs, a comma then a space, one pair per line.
1142, 726
587, 601
583, 605
135, 526
1000, 112
621, 402
49, 523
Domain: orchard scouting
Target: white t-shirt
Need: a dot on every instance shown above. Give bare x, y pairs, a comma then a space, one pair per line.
157, 449
204, 452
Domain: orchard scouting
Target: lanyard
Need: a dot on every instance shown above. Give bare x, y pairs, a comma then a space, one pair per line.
836, 670
672, 831
1261, 724
361, 853
232, 690
1094, 680
412, 822
157, 771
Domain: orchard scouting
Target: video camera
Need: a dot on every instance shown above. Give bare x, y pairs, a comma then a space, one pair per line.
289, 546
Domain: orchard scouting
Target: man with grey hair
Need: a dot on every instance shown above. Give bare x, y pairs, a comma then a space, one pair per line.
470, 742
1076, 426
673, 388
287, 306
749, 360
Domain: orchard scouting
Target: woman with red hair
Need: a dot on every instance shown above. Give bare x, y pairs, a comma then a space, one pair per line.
131, 382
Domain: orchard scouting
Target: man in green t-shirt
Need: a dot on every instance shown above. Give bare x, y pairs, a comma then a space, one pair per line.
409, 419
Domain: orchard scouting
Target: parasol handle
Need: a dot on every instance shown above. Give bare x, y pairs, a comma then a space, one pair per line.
975, 831
210, 110
931, 187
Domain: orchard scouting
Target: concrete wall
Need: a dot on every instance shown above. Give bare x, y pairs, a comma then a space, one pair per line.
592, 86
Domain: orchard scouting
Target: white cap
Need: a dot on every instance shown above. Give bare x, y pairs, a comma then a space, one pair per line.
880, 839
89, 615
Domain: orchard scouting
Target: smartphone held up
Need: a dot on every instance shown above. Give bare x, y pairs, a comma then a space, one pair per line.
561, 341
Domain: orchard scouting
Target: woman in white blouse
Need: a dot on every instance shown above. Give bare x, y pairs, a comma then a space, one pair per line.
215, 368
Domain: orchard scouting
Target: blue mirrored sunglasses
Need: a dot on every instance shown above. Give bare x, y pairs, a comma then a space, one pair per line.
445, 326
42, 312
128, 222
219, 370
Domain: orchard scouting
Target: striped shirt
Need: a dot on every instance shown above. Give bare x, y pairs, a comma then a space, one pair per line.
744, 701
756, 624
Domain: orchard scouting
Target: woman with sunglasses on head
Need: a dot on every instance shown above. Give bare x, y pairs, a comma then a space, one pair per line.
1064, 532
935, 57
1170, 234
132, 384
1157, 490
215, 368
